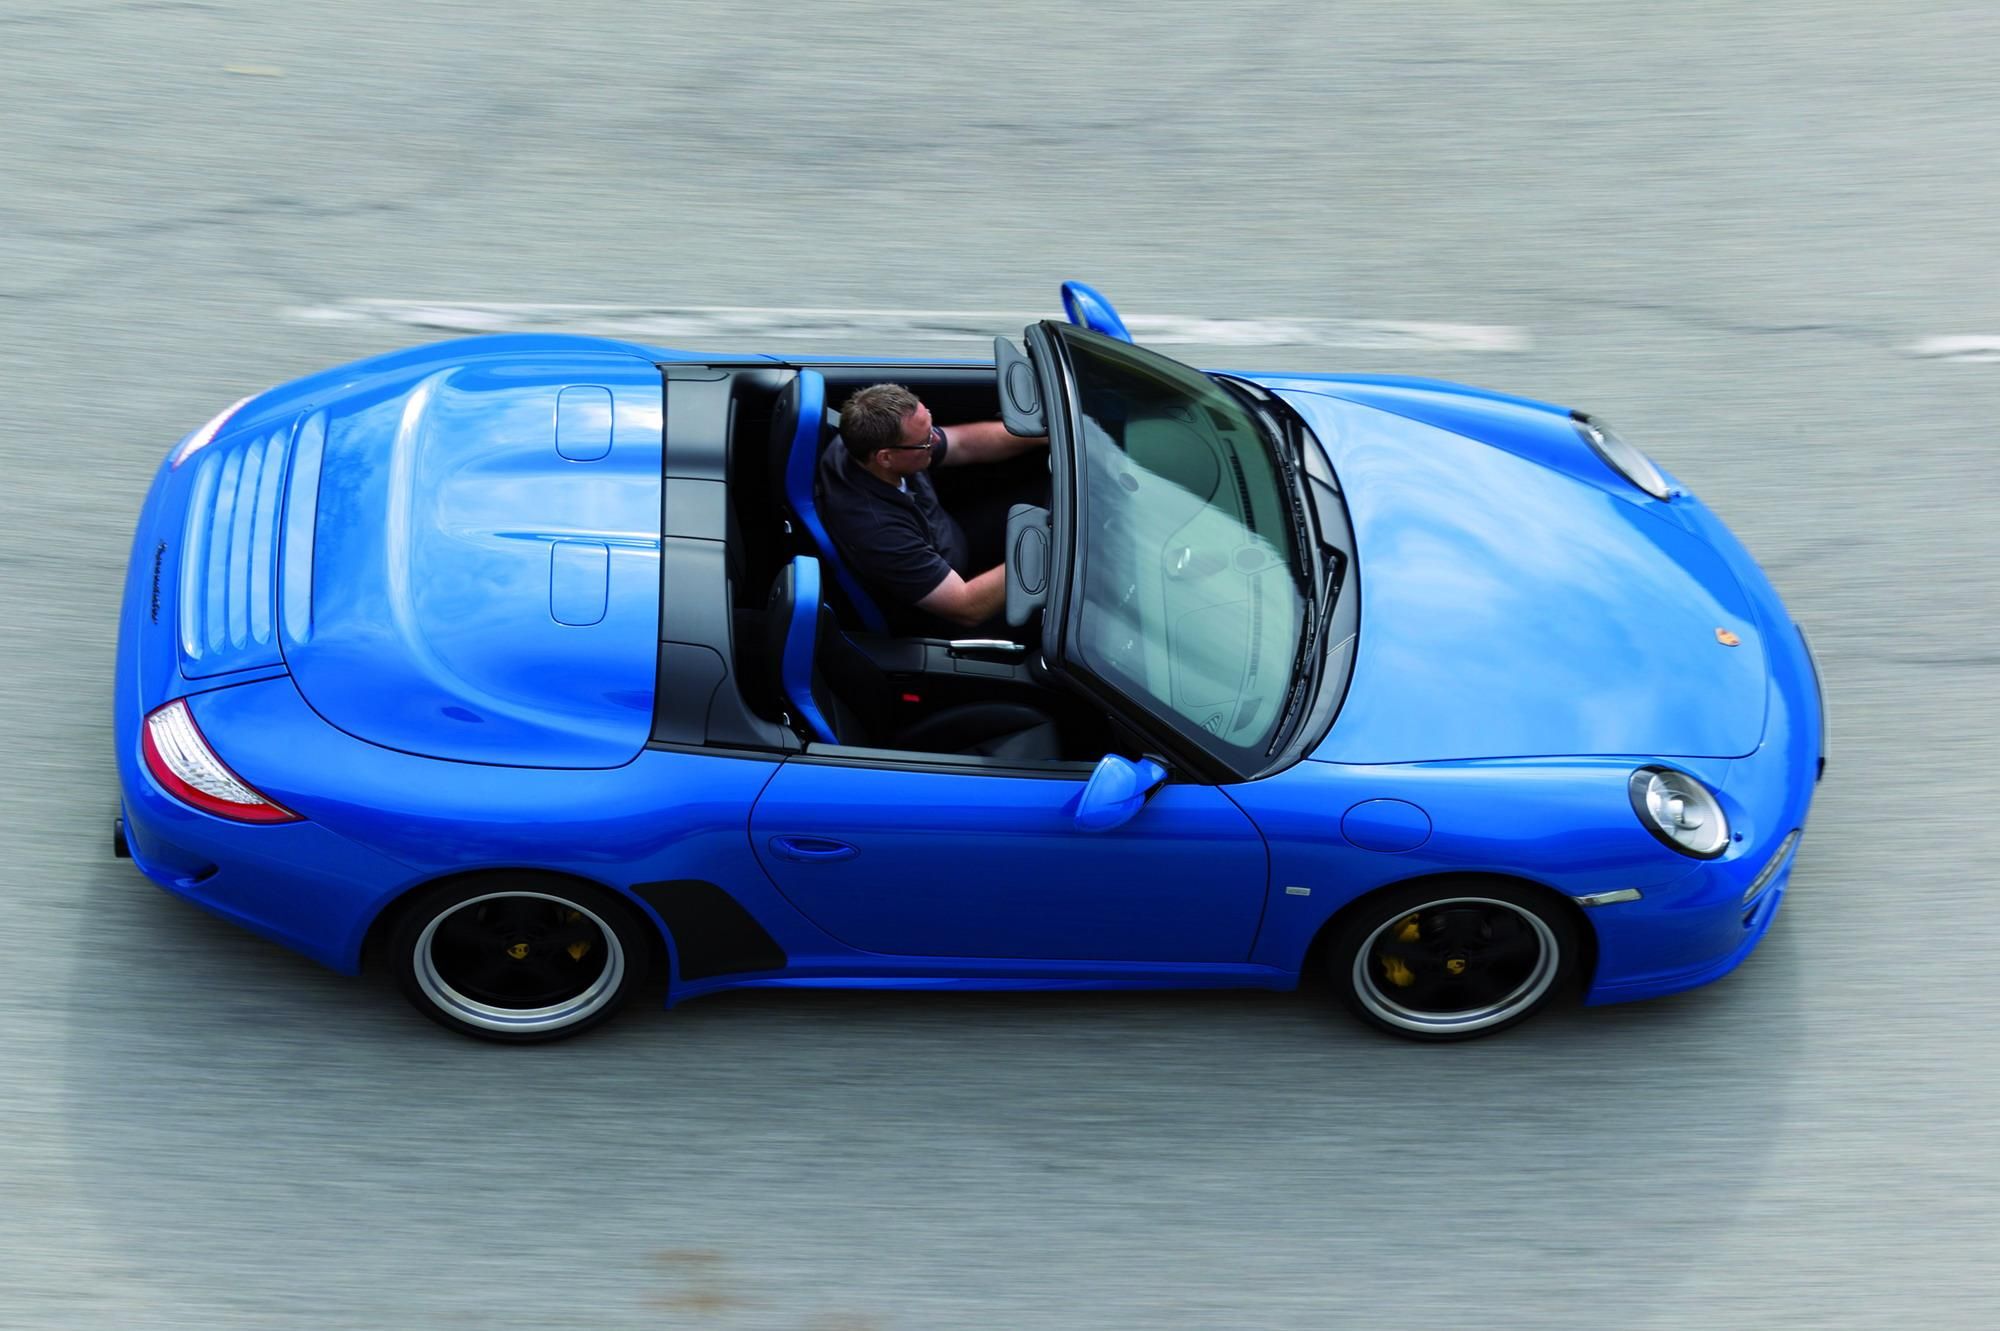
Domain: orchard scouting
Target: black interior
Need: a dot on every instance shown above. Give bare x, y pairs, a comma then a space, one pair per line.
855, 696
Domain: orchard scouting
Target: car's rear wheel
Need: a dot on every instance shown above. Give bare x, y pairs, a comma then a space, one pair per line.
519, 957
1453, 959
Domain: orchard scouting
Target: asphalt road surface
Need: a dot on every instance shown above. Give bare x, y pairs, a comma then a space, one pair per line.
1732, 230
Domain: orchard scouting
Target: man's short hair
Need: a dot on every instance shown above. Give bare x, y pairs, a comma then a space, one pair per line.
873, 418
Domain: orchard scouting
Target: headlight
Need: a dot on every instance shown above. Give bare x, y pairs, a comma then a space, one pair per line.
1620, 456
1680, 811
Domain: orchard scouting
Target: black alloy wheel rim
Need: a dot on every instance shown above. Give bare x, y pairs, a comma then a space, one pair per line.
519, 961
1456, 965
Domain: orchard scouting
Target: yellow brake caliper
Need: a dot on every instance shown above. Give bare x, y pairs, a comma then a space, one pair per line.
1393, 968
577, 949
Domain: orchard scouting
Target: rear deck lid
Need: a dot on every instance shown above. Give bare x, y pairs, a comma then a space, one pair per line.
484, 580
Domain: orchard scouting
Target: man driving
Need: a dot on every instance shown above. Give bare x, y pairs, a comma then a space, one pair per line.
879, 504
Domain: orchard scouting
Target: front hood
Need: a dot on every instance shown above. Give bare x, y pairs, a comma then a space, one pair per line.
484, 580
1509, 608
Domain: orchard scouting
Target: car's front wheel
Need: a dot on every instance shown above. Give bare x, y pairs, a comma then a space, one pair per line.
1452, 959
519, 957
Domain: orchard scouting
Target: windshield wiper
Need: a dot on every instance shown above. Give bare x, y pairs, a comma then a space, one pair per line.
1302, 531
1281, 444
1304, 680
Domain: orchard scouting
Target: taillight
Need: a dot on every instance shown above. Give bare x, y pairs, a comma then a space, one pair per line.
180, 760
199, 439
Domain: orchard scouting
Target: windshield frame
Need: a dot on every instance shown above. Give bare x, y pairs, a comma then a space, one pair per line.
1301, 714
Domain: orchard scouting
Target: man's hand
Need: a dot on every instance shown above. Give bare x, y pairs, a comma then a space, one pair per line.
985, 441
968, 603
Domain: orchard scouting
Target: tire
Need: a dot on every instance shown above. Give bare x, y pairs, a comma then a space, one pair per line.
1453, 958
519, 958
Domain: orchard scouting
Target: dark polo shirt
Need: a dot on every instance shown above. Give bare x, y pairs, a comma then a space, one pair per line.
899, 542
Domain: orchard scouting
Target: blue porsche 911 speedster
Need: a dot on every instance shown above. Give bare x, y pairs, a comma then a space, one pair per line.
525, 667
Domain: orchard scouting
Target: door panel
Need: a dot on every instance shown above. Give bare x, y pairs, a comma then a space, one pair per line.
920, 863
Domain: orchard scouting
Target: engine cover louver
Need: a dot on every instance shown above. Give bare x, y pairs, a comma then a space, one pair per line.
229, 555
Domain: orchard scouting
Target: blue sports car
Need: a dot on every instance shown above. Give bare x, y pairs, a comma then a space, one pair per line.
524, 667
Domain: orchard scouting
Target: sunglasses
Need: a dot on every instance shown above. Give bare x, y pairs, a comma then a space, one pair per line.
937, 434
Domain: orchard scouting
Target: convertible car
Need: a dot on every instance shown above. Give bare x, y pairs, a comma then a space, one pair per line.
524, 667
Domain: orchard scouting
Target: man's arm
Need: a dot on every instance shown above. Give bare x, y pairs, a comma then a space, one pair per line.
970, 603
984, 441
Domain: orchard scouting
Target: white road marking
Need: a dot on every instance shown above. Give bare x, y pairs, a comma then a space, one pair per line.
1979, 350
743, 326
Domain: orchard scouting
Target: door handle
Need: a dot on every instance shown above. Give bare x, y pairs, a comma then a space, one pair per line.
811, 849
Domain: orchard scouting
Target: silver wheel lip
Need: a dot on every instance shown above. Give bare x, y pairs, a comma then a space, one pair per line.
1525, 995
519, 1020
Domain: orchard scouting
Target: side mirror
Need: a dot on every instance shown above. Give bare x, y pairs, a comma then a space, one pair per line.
1118, 789
1087, 308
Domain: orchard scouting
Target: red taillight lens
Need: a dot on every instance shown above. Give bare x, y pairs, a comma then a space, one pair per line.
180, 760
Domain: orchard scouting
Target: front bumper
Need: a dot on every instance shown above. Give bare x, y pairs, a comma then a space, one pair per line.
1700, 927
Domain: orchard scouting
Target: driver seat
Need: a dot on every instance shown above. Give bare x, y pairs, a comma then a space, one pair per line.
799, 431
838, 696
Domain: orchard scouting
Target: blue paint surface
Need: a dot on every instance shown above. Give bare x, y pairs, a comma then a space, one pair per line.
400, 600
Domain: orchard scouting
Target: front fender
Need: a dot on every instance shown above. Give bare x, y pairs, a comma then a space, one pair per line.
1566, 824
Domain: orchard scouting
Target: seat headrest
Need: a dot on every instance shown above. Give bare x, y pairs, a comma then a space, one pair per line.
791, 629
784, 428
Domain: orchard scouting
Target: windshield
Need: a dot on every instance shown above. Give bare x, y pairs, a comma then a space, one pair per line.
1192, 594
